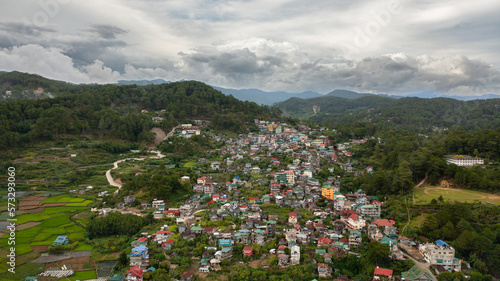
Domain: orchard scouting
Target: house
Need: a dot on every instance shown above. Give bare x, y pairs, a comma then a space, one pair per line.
167, 245
135, 273
283, 260
324, 270
324, 242
140, 241
120, 205
224, 254
259, 236
225, 243
215, 264
382, 274
157, 204
247, 251
371, 210
172, 213
292, 218
354, 238
186, 276
383, 222
139, 256
356, 222
295, 255
162, 236
440, 254
416, 274
61, 240
129, 199
215, 165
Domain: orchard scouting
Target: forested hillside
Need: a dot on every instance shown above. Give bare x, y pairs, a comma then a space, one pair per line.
415, 114
118, 112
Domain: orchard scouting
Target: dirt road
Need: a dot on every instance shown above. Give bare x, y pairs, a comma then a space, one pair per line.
110, 179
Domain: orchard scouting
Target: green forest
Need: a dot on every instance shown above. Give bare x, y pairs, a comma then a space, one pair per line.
117, 112
414, 114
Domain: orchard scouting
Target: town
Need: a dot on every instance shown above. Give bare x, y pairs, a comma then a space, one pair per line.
276, 213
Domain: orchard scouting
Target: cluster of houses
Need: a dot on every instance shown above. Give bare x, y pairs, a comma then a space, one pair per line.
336, 230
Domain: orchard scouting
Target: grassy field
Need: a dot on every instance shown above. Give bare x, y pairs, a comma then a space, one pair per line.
425, 194
82, 275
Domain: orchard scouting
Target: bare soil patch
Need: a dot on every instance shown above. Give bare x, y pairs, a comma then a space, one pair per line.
33, 210
259, 262
40, 248
27, 225
31, 200
159, 136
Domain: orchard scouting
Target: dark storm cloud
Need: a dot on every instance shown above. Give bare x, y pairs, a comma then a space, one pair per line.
87, 51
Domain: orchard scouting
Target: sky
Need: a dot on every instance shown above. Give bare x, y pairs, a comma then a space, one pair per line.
449, 47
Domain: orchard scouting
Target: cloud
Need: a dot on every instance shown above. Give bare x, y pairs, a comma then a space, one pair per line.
290, 45
25, 29
107, 31
263, 63
49, 62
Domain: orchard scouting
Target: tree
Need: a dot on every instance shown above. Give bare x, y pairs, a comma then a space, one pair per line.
122, 260
378, 253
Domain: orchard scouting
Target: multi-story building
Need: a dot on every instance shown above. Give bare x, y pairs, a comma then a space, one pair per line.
371, 210
440, 253
290, 177
139, 257
464, 160
324, 270
355, 238
294, 255
327, 192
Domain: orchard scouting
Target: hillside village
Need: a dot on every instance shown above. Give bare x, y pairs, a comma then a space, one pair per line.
285, 207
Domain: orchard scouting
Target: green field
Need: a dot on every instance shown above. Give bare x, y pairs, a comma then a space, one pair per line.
425, 194
54, 222
82, 275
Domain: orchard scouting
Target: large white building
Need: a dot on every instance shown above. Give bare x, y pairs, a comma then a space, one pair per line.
294, 255
440, 253
464, 160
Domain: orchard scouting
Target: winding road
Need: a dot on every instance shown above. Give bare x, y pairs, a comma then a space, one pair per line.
110, 179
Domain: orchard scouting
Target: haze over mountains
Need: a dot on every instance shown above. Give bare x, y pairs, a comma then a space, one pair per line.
253, 95
270, 98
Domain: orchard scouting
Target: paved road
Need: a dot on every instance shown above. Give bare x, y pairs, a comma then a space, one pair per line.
171, 133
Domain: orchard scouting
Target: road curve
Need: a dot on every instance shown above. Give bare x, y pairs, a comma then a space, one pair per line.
110, 179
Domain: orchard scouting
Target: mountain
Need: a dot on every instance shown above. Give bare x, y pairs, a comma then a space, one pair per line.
121, 113
430, 95
253, 95
417, 114
354, 95
142, 82
263, 97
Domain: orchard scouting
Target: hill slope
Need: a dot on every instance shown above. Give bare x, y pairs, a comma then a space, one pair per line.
121, 112
411, 113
